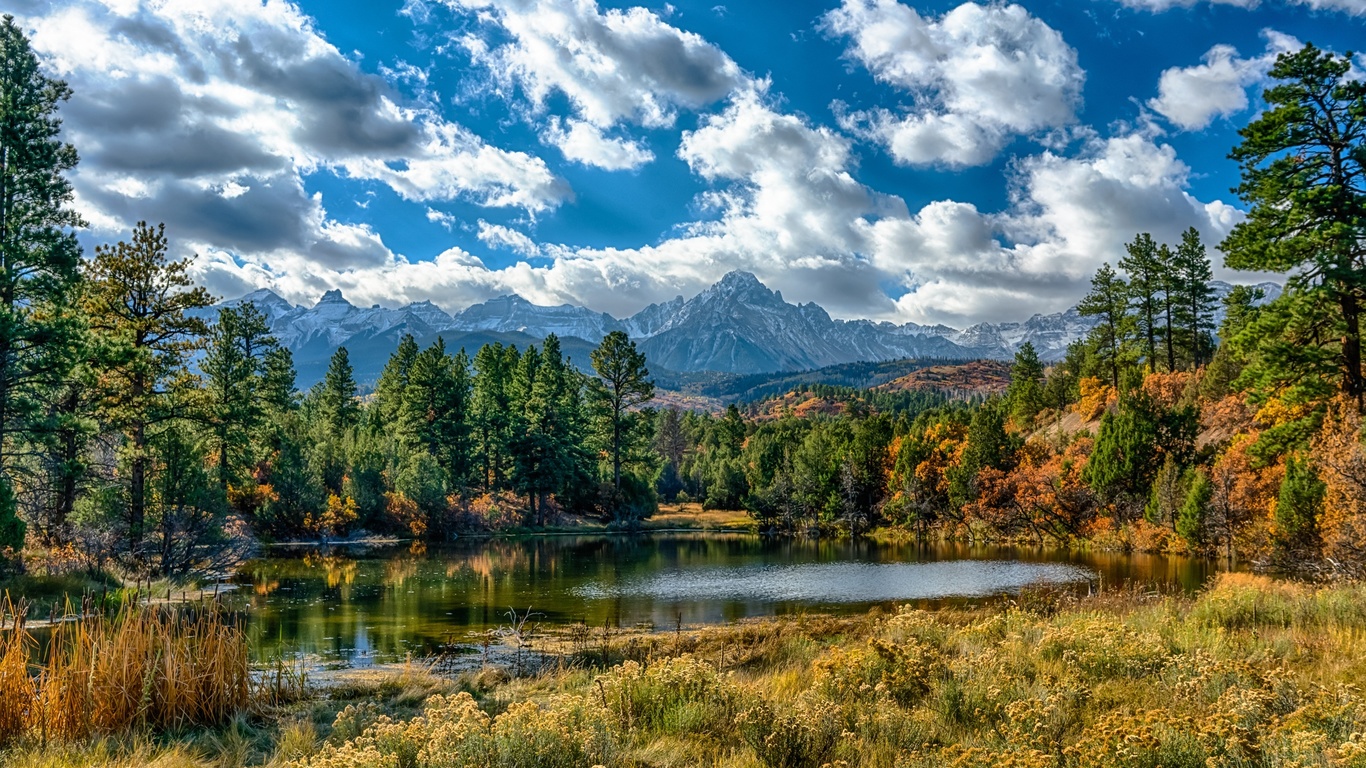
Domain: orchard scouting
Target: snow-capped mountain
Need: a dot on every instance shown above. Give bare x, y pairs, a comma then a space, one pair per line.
737, 325
514, 313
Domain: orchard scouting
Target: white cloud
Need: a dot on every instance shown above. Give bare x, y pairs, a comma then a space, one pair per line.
499, 236
446, 220
788, 208
613, 66
1068, 215
583, 142
208, 114
1191, 97
979, 75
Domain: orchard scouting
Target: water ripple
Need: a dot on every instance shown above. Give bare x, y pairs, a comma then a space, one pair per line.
842, 582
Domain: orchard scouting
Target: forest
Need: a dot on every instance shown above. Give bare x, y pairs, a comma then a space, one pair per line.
140, 431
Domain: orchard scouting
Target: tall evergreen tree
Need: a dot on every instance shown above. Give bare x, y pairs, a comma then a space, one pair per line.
491, 412
1190, 525
1146, 281
1195, 307
233, 369
337, 394
1108, 300
436, 410
279, 393
392, 386
1169, 305
622, 383
1025, 395
1303, 164
139, 303
39, 256
1298, 507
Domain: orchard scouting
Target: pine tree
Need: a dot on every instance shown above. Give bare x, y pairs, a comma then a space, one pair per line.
1298, 507
278, 391
1303, 167
392, 386
491, 412
39, 257
1190, 525
1109, 301
337, 394
1146, 280
622, 383
435, 410
1127, 453
1025, 395
1195, 307
139, 303
1170, 300
234, 368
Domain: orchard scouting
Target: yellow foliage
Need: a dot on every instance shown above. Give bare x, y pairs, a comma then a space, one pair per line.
1096, 397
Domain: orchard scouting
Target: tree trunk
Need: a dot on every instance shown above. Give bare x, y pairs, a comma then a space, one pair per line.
1353, 385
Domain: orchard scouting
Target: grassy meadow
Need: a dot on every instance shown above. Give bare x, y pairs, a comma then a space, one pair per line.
1252, 672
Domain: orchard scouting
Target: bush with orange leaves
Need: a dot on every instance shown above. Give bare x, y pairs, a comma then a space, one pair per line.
1042, 497
1238, 517
1167, 389
1341, 461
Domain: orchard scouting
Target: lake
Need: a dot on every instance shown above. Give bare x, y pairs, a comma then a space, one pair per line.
358, 607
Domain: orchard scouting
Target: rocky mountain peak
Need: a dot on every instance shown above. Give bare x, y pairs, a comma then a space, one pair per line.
333, 296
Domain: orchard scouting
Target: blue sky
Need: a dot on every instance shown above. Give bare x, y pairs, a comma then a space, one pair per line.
927, 162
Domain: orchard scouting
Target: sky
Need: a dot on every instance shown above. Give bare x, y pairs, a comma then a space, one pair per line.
929, 162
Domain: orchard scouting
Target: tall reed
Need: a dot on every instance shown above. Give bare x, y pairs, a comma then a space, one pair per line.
157, 667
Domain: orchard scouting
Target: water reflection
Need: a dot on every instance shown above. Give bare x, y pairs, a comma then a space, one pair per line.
362, 607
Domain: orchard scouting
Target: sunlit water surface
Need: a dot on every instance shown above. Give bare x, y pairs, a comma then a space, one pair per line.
358, 607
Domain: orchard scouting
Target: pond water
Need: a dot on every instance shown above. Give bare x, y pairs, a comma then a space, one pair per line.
361, 607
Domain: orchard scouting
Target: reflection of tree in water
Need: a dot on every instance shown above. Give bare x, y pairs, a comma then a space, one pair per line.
339, 570
398, 570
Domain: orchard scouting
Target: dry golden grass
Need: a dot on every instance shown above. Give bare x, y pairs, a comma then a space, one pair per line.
691, 516
155, 667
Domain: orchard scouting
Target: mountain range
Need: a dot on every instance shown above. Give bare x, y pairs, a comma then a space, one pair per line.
737, 325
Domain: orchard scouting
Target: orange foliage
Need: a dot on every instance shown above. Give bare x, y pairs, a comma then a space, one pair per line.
1224, 418
498, 510
1166, 388
1096, 398
1044, 495
404, 511
1341, 461
1244, 498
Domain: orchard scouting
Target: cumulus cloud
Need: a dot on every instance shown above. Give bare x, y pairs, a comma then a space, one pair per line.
277, 103
621, 65
614, 66
1191, 97
583, 142
979, 76
1068, 215
499, 236
788, 207
208, 114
